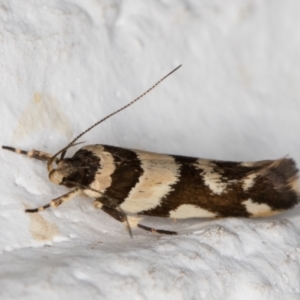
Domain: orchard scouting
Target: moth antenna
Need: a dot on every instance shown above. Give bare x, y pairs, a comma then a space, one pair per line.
125, 106
65, 150
126, 220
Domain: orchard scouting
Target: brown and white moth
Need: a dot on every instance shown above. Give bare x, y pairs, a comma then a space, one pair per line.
126, 181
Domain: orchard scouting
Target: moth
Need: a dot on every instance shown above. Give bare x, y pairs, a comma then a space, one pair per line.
127, 181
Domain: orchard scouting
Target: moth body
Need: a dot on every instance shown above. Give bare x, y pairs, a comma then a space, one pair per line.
162, 185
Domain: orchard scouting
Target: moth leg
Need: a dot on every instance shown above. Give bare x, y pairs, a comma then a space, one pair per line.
40, 155
153, 230
56, 202
131, 222
110, 211
114, 213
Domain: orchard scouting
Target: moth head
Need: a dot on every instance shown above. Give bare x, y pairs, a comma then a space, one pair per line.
64, 167
79, 170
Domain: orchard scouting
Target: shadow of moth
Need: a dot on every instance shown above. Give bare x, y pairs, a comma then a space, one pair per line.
126, 181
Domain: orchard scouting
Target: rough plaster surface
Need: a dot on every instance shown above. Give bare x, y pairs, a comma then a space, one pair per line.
65, 64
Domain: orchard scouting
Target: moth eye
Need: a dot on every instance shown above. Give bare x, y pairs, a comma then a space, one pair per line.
69, 185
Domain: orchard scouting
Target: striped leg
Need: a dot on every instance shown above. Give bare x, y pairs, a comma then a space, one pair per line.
128, 222
56, 202
40, 155
116, 214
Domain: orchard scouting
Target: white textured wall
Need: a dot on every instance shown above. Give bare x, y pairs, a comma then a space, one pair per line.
65, 64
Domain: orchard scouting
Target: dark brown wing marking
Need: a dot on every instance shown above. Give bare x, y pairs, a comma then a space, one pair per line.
126, 175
